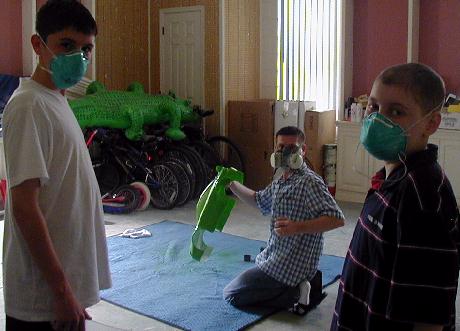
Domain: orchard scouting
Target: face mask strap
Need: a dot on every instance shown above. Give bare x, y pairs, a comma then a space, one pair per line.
402, 158
78, 53
49, 50
424, 117
406, 131
355, 169
391, 126
41, 39
74, 53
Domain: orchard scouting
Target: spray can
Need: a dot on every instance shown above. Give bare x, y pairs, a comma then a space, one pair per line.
330, 164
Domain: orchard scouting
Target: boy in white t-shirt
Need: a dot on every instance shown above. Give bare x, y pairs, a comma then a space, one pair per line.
55, 253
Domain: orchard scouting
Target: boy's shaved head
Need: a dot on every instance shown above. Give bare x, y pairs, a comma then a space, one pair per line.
422, 82
58, 15
291, 131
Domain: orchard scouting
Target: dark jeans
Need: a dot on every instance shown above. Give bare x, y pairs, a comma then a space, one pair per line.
13, 324
255, 288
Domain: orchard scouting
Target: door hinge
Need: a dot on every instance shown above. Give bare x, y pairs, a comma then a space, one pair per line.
163, 30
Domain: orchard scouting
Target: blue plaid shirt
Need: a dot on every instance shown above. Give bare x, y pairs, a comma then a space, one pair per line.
301, 197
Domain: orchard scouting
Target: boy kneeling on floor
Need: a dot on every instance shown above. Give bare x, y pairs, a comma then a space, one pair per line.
301, 208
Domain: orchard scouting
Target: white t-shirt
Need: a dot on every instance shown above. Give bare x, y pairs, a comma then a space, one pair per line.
42, 140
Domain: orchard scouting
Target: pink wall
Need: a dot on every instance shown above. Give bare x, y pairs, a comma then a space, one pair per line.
11, 37
379, 39
40, 3
439, 44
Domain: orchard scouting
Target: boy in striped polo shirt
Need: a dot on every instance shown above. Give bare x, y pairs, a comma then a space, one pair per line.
401, 269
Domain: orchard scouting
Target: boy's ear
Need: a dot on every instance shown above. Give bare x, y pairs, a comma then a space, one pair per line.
36, 43
304, 149
433, 123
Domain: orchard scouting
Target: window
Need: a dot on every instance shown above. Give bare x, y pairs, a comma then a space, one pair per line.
308, 51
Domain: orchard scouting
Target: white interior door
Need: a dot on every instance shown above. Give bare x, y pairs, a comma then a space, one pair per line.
182, 52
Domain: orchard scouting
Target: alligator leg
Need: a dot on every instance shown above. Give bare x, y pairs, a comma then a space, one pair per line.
136, 130
174, 132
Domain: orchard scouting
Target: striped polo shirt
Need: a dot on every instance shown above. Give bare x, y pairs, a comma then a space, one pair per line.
402, 264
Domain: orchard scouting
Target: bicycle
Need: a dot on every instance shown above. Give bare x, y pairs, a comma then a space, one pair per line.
215, 150
117, 162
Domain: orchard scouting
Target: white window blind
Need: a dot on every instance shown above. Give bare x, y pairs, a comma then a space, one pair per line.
308, 48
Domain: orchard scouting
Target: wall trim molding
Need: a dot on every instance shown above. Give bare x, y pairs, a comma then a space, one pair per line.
413, 20
223, 102
345, 57
29, 59
149, 31
91, 5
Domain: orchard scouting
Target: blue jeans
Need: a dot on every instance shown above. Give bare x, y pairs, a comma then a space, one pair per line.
255, 288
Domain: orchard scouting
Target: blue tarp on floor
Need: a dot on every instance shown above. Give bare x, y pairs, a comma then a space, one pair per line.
156, 277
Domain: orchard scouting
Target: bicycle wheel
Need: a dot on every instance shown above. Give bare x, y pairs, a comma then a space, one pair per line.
180, 172
210, 158
108, 176
200, 170
129, 201
163, 185
181, 156
145, 195
230, 155
197, 165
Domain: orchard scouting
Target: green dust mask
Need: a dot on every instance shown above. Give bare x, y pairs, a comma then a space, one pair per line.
67, 69
382, 138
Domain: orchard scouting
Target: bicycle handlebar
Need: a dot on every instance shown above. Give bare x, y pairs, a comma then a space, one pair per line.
201, 112
207, 113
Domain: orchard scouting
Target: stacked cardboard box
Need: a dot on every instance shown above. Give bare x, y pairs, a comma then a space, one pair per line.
250, 127
320, 129
286, 114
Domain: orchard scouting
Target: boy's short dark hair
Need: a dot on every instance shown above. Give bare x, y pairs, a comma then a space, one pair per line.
58, 15
425, 85
291, 131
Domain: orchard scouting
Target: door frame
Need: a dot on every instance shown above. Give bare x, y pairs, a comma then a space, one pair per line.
179, 10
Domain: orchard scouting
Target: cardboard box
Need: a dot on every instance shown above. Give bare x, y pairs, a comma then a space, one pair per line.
250, 124
286, 114
305, 106
319, 129
450, 121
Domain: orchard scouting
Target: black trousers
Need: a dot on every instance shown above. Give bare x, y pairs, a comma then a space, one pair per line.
13, 324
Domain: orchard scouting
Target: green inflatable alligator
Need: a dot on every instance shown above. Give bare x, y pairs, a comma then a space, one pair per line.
132, 109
